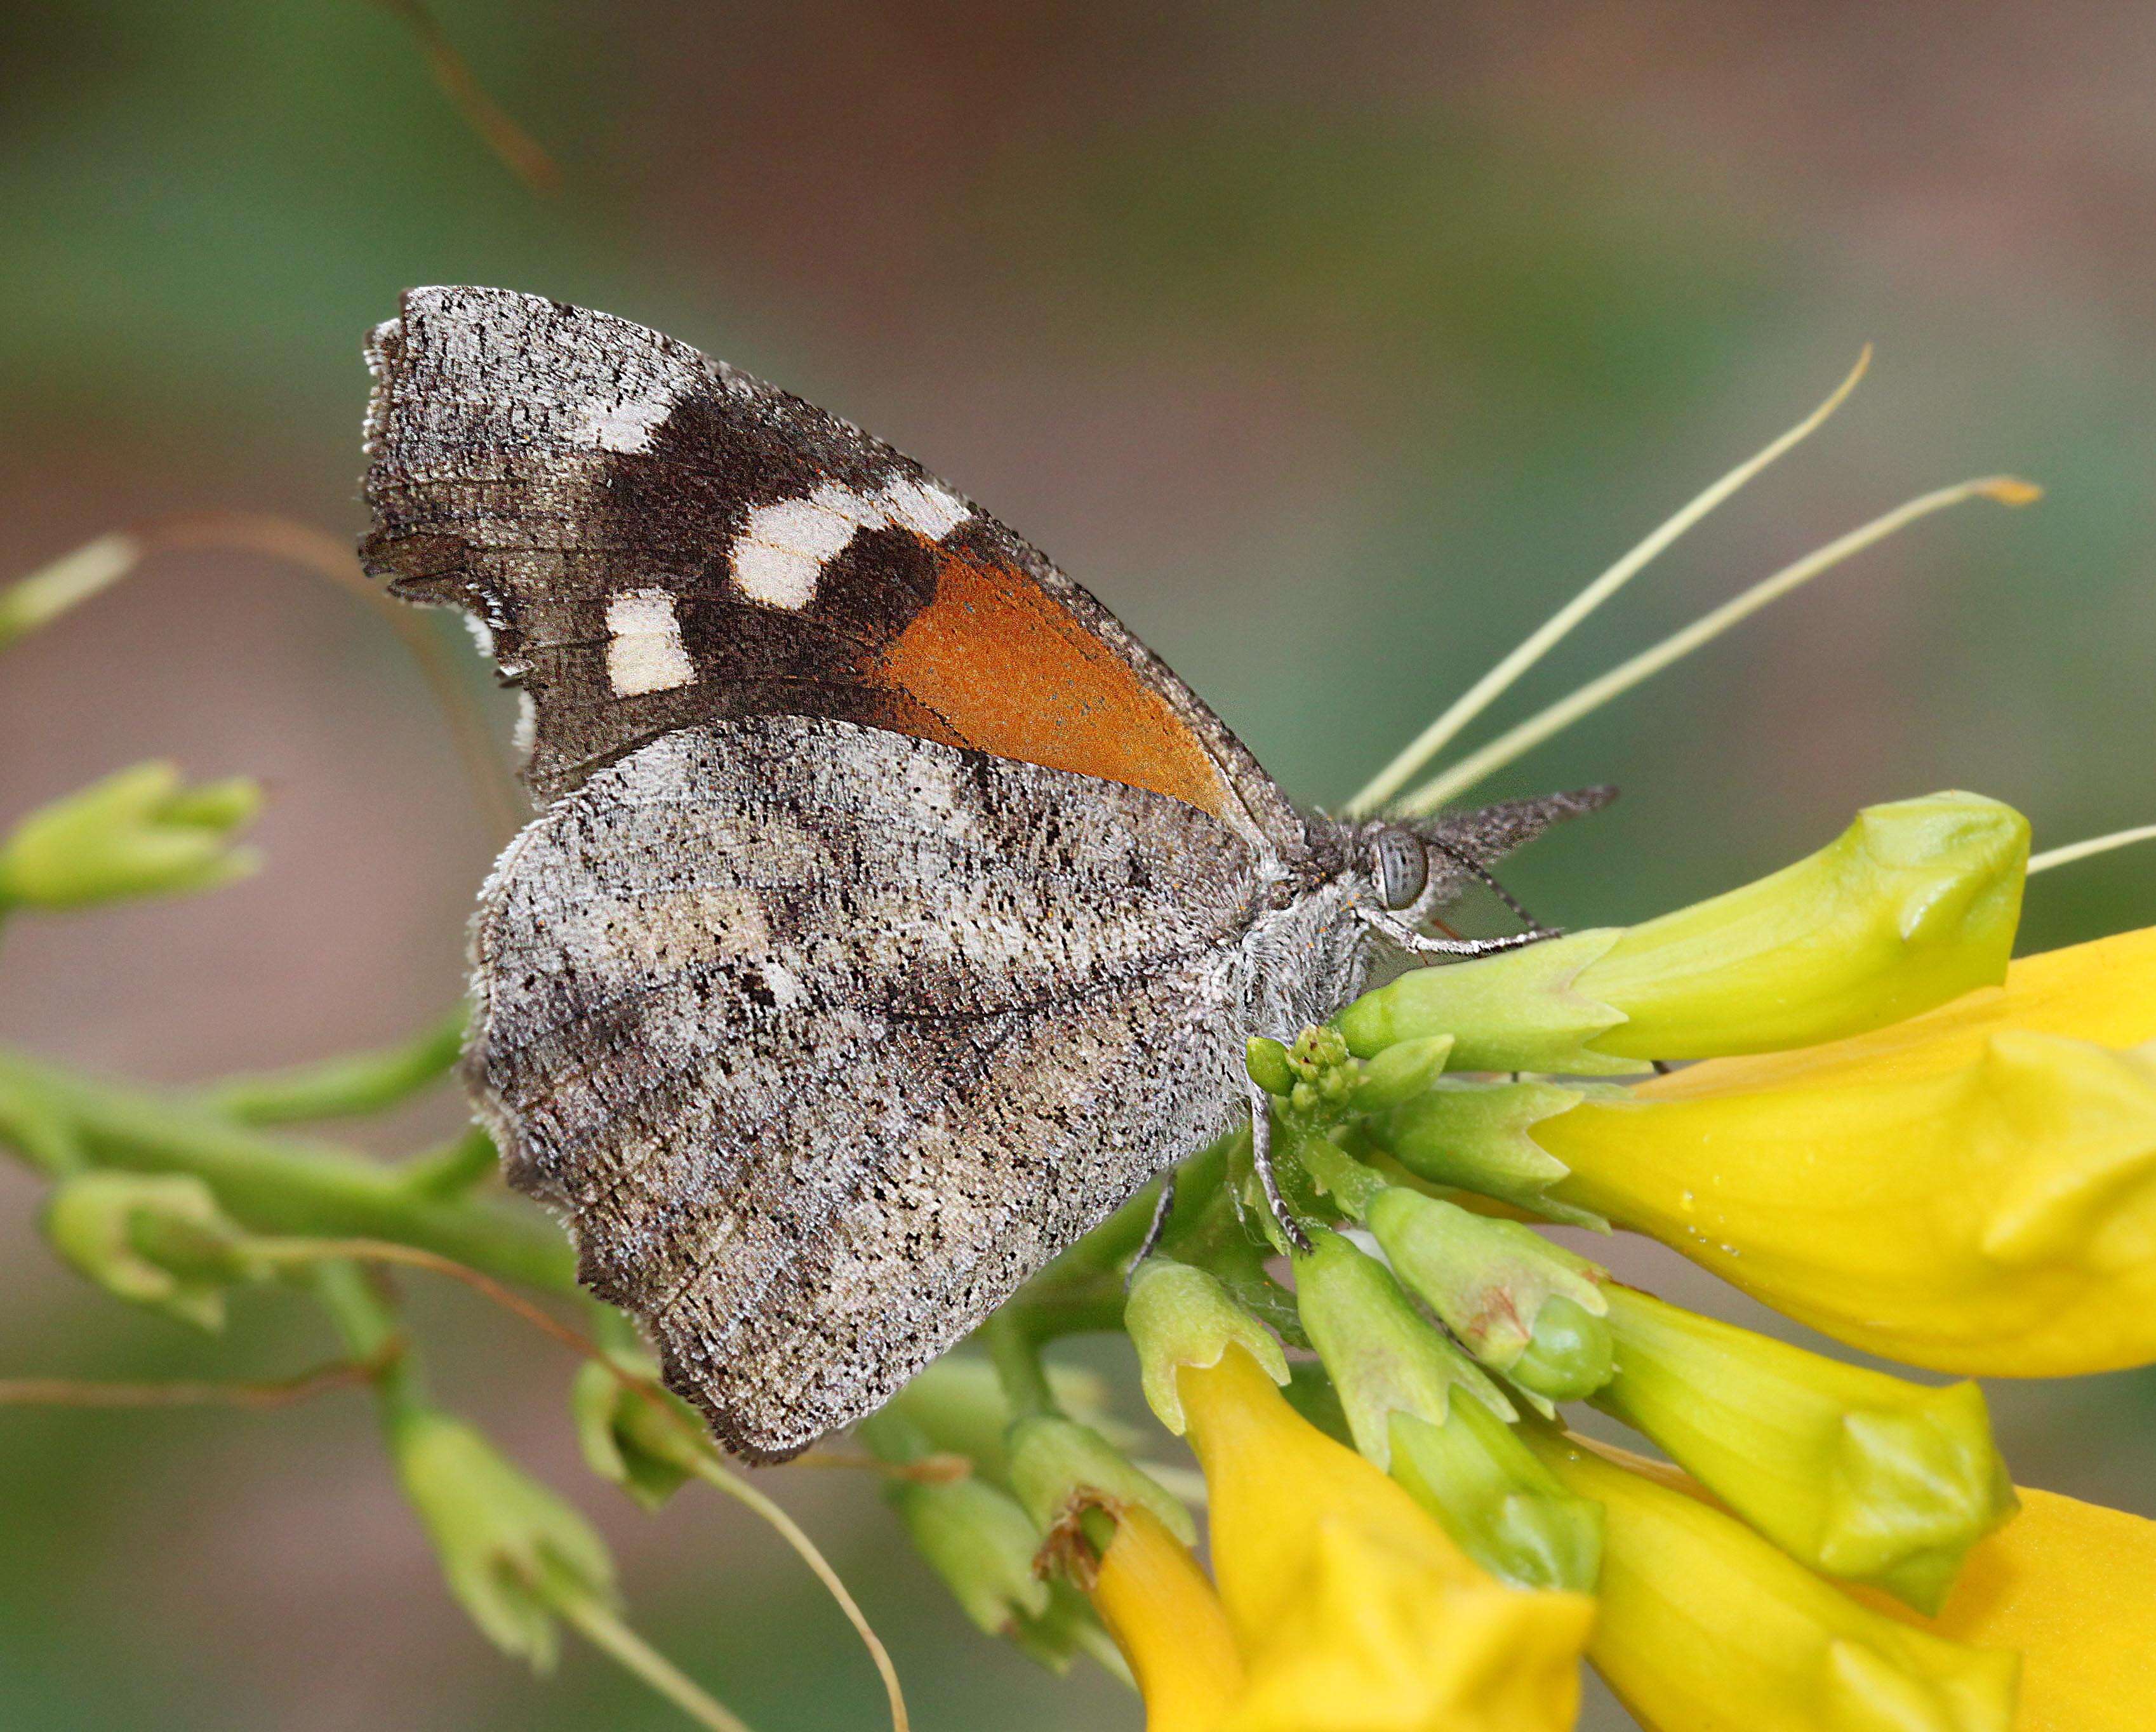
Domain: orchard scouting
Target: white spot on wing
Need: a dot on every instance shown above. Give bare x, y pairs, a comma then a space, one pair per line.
623, 426
925, 508
783, 546
645, 653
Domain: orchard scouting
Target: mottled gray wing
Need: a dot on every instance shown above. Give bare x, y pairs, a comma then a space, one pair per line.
824, 1038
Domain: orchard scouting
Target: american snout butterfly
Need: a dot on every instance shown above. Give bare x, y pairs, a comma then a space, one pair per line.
892, 914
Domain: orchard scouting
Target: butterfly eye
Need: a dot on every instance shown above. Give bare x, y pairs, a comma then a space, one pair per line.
1400, 865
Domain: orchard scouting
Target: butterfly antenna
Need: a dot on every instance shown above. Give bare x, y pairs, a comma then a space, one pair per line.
1517, 742
2073, 852
1479, 696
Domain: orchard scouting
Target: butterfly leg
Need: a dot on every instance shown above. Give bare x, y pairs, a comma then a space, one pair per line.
1261, 1158
1395, 931
1163, 1206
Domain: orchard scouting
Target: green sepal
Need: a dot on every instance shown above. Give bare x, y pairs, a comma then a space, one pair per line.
1383, 1357
1480, 1137
624, 1441
1501, 1504
158, 1239
1176, 1316
511, 1550
1521, 1011
1492, 1281
1057, 1467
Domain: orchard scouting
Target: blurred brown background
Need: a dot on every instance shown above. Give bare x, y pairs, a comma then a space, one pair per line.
1333, 346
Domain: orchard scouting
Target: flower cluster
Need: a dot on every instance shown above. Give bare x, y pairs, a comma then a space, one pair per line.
1890, 1132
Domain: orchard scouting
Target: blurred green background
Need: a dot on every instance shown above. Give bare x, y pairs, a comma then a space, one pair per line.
1332, 346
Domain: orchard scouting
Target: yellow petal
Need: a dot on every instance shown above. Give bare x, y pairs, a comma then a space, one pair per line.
1375, 1643
1994, 1216
1273, 1480
1705, 1627
2104, 991
2072, 1587
1168, 1620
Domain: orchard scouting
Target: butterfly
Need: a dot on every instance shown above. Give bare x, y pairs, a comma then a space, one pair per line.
891, 915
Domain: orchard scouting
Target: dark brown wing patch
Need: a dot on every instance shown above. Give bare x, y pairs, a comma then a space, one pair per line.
652, 540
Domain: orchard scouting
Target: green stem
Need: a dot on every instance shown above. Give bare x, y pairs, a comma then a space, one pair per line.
602, 1627
452, 1170
1014, 1350
341, 1087
275, 1185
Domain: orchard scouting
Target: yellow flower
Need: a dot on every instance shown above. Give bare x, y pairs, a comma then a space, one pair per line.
1166, 1618
2070, 1585
1350, 1606
1973, 1190
1705, 1627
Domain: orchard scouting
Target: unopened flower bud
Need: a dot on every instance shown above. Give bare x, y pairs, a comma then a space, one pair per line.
1497, 1285
1057, 1467
1915, 904
1502, 1506
1856, 1473
627, 1437
513, 1552
1178, 1316
158, 1239
1382, 1357
139, 832
982, 1544
1701, 1622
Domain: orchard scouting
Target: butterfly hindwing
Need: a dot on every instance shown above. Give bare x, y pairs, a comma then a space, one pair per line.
652, 539
824, 1037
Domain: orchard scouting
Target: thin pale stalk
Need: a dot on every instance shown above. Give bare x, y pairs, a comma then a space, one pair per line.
2073, 851
1478, 697
714, 1473
1517, 742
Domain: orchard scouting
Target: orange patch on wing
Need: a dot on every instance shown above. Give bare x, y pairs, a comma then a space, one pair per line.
999, 660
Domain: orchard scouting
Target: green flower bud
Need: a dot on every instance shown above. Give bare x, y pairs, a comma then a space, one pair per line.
956, 1407
158, 1239
1494, 1283
1915, 904
625, 1440
1503, 1508
138, 833
1383, 1358
982, 1544
1853, 1472
1178, 1316
1400, 1073
1568, 1355
1480, 1137
1267, 1061
513, 1552
1057, 1467
44, 595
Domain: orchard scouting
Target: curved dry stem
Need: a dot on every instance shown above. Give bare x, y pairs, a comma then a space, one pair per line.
523, 154
325, 556
266, 1393
709, 1468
